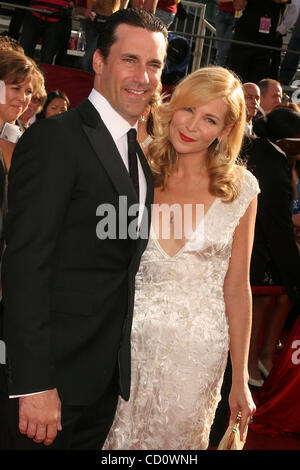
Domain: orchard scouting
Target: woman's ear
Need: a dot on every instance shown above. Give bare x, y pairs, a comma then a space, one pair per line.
225, 132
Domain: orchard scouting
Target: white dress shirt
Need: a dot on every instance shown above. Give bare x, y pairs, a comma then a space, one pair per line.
249, 128
290, 17
263, 112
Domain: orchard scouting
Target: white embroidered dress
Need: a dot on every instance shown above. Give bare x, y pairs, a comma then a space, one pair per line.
180, 336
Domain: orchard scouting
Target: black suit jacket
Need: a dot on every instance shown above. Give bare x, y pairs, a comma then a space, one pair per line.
67, 295
274, 237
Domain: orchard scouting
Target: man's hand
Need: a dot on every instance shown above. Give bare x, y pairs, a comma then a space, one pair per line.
40, 416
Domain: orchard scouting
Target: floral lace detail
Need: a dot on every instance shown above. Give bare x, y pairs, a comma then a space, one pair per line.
180, 337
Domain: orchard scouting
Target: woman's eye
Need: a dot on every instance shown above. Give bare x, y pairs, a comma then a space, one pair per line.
211, 121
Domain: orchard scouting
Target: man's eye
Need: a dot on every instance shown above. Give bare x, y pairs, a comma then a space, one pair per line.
156, 66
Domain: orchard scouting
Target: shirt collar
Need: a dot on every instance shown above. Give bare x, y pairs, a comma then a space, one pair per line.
262, 111
249, 128
277, 148
116, 124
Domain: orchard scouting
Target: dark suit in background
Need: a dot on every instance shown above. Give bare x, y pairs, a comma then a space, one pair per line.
274, 238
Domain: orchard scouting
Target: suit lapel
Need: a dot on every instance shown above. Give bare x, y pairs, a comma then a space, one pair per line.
108, 155
106, 151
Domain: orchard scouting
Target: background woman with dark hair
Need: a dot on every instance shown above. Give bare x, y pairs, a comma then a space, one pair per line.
275, 258
57, 102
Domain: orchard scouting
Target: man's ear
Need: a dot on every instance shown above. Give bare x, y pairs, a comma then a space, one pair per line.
98, 62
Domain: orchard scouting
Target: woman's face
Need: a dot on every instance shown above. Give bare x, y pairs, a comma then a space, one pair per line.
17, 98
56, 106
193, 129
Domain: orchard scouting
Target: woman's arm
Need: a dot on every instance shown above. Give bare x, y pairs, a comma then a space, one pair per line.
238, 300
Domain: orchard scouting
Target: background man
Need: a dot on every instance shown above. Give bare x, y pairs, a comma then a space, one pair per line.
257, 25
270, 96
252, 99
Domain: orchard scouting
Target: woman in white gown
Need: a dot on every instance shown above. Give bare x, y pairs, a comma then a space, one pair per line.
193, 299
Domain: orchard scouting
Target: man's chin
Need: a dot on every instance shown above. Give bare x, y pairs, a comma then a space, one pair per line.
133, 114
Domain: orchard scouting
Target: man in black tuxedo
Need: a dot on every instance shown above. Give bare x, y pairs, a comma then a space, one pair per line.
68, 277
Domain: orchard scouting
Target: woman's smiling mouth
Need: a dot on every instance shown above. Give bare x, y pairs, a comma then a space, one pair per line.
185, 138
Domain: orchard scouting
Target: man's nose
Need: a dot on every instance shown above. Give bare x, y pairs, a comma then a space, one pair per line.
141, 74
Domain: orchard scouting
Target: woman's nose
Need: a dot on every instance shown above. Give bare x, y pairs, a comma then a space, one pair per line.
22, 95
192, 123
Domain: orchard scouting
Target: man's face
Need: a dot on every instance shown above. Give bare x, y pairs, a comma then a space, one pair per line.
132, 70
272, 97
252, 99
32, 109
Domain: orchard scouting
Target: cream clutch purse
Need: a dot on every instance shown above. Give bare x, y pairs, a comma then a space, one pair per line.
231, 439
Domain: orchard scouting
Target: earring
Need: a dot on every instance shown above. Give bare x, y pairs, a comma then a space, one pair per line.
142, 119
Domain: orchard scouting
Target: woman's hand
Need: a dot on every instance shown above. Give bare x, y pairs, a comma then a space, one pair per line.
240, 400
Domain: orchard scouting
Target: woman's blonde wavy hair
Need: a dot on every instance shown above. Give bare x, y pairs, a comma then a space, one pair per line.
198, 88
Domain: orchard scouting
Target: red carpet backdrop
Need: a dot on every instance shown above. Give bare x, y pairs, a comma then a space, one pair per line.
76, 83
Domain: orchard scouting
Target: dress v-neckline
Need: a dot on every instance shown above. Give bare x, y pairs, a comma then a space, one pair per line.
160, 248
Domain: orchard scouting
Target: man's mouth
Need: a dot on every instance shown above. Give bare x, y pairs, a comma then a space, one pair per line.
136, 92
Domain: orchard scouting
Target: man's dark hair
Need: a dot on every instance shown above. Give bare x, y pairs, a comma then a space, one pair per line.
137, 17
281, 123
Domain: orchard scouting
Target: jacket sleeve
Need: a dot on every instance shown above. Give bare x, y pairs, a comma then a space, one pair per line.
41, 178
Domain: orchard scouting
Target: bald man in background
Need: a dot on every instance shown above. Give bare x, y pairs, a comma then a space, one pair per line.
252, 99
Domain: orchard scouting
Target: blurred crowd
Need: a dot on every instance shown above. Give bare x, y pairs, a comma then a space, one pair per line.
253, 25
